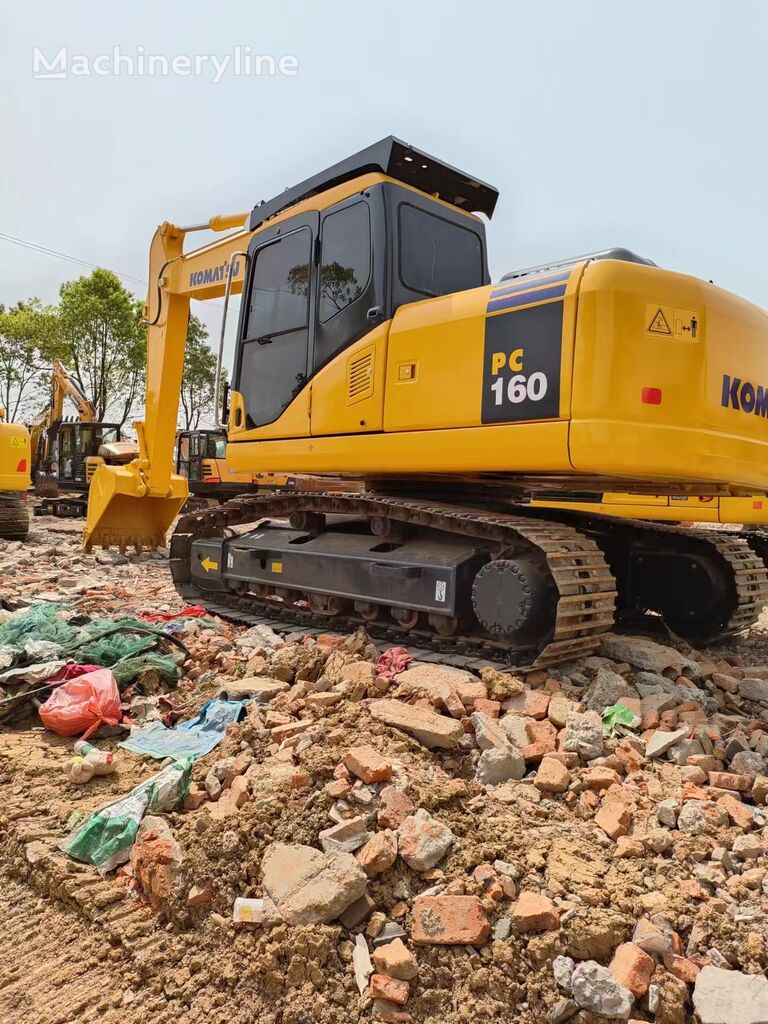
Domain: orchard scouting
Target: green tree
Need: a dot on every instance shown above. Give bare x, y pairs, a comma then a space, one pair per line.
103, 342
28, 340
198, 382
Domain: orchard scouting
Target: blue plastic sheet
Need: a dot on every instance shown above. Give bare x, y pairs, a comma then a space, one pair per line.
194, 738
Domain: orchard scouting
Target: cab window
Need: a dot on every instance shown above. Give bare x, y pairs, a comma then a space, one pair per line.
437, 256
345, 265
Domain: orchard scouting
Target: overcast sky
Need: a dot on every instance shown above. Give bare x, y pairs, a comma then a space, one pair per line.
602, 123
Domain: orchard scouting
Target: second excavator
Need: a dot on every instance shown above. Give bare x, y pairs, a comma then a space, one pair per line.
372, 344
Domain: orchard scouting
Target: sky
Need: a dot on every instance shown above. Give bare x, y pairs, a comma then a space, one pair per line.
602, 123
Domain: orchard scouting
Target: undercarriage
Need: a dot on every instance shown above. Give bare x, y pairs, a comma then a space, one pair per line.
480, 582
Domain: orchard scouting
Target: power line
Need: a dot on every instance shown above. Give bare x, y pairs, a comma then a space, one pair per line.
64, 256
45, 251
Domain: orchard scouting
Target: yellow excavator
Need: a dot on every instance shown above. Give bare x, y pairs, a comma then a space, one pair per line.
66, 452
15, 458
201, 459
372, 344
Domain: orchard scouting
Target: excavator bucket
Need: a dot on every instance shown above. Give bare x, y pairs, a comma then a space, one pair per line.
121, 514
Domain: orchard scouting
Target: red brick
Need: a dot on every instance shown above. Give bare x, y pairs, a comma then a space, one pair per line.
195, 798
487, 707
379, 853
535, 913
730, 780
199, 895
614, 819
394, 807
367, 764
626, 848
449, 921
682, 968
552, 776
529, 704
737, 812
381, 986
601, 778
337, 789
396, 960
632, 968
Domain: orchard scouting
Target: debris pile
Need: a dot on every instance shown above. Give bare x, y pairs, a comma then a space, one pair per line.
379, 838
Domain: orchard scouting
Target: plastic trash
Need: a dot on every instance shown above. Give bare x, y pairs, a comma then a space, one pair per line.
81, 705
106, 837
618, 717
248, 911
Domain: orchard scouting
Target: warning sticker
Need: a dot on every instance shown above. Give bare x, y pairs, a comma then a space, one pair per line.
17, 442
672, 322
658, 319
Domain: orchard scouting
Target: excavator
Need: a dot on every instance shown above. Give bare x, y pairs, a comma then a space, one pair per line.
372, 344
201, 458
67, 452
15, 456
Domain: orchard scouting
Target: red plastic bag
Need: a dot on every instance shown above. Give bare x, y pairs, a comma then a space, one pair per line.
81, 705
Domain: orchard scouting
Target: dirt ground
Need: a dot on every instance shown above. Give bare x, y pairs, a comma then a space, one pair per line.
79, 947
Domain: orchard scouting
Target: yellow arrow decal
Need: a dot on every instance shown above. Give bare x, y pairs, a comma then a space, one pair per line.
208, 565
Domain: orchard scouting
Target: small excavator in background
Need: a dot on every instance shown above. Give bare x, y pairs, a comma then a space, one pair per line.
65, 452
373, 345
201, 459
15, 459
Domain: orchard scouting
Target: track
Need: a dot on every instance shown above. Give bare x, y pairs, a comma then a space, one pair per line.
14, 516
582, 585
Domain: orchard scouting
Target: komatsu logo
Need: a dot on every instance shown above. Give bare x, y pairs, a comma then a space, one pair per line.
744, 396
211, 275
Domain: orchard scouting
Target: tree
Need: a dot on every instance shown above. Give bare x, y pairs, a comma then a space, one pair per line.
198, 382
28, 340
103, 342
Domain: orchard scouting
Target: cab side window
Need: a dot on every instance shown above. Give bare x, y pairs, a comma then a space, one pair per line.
438, 256
345, 265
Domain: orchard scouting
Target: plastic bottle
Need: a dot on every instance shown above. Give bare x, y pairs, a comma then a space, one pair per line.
247, 911
78, 771
99, 761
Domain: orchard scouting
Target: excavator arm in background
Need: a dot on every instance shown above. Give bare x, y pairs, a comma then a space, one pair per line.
115, 517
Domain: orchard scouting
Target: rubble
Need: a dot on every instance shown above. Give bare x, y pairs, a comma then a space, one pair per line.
423, 841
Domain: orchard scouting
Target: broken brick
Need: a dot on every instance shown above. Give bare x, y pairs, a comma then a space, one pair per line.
449, 921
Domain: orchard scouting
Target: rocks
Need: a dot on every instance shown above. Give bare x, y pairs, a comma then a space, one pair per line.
499, 764
633, 968
595, 988
534, 913
648, 656
309, 887
562, 968
661, 741
755, 690
345, 837
449, 921
584, 734
261, 688
395, 959
488, 732
747, 762
423, 841
552, 776
429, 728
368, 764
701, 817
379, 853
607, 689
394, 807
730, 997
667, 812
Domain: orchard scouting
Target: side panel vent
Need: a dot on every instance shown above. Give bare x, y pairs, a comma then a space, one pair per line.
360, 377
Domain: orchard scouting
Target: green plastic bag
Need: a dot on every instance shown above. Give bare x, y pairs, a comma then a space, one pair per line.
618, 716
105, 838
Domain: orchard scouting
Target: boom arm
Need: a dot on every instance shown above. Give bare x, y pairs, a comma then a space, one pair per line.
64, 386
114, 516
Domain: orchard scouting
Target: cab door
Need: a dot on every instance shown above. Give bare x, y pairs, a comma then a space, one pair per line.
273, 362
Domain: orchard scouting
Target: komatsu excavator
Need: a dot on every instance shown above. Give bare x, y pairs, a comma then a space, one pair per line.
371, 343
67, 452
14, 479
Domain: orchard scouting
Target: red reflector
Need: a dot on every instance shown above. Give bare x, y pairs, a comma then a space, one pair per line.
651, 396
757, 504
22, 466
